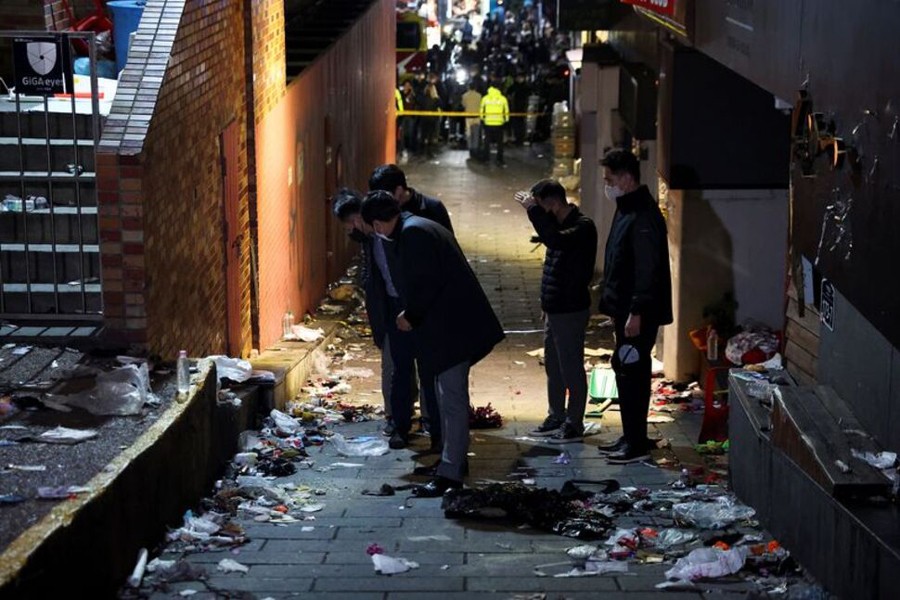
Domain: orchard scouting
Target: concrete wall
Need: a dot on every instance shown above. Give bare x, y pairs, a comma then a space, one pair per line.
723, 241
864, 369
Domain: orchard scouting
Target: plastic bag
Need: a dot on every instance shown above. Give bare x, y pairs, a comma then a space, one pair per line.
712, 515
234, 369
122, 392
708, 563
285, 422
359, 447
668, 538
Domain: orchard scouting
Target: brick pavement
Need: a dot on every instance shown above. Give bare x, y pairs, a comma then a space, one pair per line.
467, 560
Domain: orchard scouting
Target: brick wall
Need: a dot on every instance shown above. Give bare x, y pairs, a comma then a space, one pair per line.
160, 180
22, 14
340, 105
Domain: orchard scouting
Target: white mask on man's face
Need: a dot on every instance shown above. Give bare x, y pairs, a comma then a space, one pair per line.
383, 237
613, 192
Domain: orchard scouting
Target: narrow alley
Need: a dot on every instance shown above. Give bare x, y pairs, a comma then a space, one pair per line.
362, 505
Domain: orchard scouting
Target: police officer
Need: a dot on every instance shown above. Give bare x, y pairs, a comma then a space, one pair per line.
494, 116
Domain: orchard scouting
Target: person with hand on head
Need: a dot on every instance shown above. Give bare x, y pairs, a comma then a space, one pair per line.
637, 295
447, 313
570, 238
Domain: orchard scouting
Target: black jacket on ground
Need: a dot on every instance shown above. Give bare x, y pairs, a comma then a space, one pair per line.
637, 276
451, 316
425, 206
569, 261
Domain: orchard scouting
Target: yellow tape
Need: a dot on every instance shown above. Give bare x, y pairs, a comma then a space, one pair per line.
442, 113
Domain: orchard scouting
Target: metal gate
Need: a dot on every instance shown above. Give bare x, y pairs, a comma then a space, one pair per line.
49, 233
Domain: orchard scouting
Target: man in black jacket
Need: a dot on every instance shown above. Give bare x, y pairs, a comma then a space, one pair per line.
571, 241
391, 178
448, 314
637, 294
346, 206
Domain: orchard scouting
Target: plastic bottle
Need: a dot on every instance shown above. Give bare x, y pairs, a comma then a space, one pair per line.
712, 345
287, 321
183, 372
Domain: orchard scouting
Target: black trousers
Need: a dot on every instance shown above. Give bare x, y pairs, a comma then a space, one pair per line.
494, 135
633, 381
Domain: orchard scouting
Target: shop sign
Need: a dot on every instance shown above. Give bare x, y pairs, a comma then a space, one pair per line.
38, 65
663, 7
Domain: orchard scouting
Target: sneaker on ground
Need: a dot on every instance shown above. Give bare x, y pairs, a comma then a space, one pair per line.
566, 434
398, 441
627, 456
548, 427
388, 430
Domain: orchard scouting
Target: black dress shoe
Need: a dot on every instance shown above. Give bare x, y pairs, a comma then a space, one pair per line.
436, 487
427, 470
431, 471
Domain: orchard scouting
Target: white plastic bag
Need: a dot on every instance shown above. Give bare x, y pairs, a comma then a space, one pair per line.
235, 369
708, 563
712, 515
362, 447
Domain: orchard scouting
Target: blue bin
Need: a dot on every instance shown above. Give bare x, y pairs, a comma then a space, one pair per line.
126, 15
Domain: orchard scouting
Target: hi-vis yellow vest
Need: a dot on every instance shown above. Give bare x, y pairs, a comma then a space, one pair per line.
494, 108
399, 99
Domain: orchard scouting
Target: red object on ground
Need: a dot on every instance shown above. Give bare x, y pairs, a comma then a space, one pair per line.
97, 22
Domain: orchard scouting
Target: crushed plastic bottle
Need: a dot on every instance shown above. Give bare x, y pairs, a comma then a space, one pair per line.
183, 372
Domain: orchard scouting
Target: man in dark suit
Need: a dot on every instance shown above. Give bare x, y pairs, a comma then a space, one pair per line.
448, 313
391, 178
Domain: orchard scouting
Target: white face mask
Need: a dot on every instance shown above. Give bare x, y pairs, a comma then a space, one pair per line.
383, 237
613, 192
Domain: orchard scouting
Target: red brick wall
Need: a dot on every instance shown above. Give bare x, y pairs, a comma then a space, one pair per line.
22, 14
161, 191
350, 87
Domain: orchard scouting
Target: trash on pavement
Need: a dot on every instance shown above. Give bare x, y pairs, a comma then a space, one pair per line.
305, 334
668, 538
363, 446
227, 565
120, 392
879, 460
719, 513
389, 565
11, 499
708, 563
484, 417
134, 580
65, 435
60, 492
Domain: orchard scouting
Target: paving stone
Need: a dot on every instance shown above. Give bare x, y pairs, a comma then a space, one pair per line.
540, 584
391, 583
431, 557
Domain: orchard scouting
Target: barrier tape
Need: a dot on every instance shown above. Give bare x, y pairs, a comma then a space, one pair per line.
442, 113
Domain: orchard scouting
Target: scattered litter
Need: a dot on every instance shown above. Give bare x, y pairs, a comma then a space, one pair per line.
484, 417
564, 458
134, 580
667, 538
11, 499
305, 334
158, 563
429, 538
123, 391
708, 563
362, 446
60, 492
27, 467
64, 435
879, 460
388, 565
720, 513
227, 565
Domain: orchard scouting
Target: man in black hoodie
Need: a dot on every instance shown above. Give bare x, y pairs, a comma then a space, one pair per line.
571, 241
637, 294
